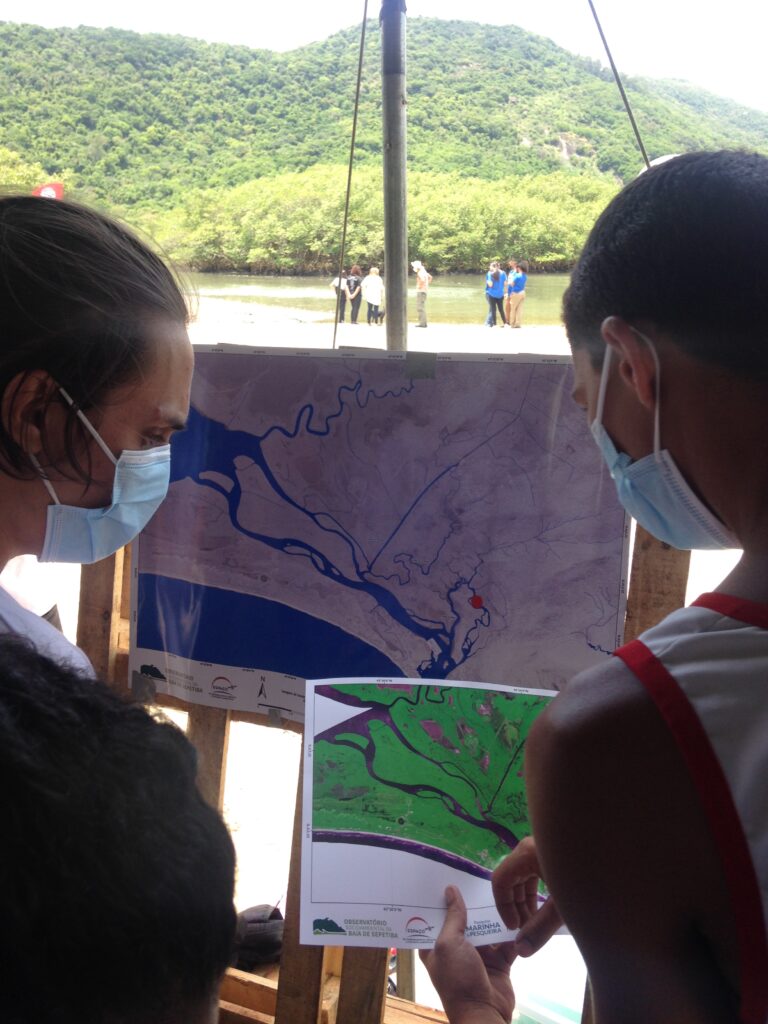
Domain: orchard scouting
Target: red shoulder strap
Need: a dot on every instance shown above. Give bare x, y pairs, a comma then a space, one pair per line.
727, 831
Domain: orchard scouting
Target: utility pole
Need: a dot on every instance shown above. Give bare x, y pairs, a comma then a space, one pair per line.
392, 19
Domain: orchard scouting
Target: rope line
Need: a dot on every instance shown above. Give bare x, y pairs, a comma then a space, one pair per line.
349, 170
618, 81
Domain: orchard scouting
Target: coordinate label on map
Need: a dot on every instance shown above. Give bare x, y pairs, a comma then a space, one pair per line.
330, 515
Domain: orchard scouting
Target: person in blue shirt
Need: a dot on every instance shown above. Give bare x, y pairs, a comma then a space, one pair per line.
495, 281
516, 293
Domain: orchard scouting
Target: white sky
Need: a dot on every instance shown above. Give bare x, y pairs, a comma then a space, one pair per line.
720, 46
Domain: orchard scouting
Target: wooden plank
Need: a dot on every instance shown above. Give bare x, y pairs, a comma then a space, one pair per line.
229, 1013
657, 583
363, 990
329, 1008
406, 974
208, 731
333, 960
125, 583
401, 1011
99, 613
121, 671
300, 991
249, 990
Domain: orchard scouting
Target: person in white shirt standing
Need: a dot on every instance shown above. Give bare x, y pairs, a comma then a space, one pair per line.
423, 281
373, 293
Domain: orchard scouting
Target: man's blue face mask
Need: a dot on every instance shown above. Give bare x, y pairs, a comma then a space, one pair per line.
85, 535
652, 489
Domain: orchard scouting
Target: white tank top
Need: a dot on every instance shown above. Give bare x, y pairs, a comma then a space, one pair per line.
46, 638
706, 669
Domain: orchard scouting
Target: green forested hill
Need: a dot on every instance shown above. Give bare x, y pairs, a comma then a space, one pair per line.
151, 124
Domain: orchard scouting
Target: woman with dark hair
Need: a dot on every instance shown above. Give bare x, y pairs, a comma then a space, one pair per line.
95, 372
516, 293
495, 280
354, 291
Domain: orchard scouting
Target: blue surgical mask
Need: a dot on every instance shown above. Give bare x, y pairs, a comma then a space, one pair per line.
85, 535
652, 489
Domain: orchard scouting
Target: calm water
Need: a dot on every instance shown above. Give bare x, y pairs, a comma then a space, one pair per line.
454, 298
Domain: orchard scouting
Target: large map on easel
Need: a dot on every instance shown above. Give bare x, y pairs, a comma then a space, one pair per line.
377, 514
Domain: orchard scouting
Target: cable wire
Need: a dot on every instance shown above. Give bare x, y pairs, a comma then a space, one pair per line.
618, 81
349, 171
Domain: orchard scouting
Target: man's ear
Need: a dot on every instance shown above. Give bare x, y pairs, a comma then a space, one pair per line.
23, 408
637, 362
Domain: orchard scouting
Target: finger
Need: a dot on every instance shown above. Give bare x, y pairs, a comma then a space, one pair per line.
500, 956
514, 884
522, 862
531, 897
456, 914
539, 930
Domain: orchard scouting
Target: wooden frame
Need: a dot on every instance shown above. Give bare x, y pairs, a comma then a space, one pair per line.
316, 985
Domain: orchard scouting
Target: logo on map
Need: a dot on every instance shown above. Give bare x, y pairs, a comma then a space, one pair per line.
326, 926
417, 926
222, 688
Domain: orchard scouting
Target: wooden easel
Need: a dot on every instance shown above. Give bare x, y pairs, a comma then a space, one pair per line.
316, 985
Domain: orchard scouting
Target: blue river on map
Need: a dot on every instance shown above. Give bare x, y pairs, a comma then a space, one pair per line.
200, 623
172, 612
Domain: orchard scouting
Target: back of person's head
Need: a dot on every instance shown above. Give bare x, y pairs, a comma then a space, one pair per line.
651, 258
374, 271
116, 878
77, 292
523, 265
355, 271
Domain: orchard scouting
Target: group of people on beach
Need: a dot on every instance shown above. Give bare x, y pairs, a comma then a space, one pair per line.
351, 287
647, 777
505, 292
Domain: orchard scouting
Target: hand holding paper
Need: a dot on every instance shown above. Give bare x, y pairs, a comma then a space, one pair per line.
515, 890
473, 981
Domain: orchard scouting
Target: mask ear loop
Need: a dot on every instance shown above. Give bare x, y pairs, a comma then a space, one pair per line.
656, 412
88, 426
603, 385
91, 430
46, 482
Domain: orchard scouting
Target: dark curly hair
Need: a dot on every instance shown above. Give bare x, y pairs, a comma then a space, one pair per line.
116, 878
684, 247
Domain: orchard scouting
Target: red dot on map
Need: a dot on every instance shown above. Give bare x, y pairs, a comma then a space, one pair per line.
476, 601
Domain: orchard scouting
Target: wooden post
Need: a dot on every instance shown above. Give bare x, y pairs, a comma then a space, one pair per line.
657, 583
363, 989
300, 991
406, 974
208, 731
98, 623
394, 101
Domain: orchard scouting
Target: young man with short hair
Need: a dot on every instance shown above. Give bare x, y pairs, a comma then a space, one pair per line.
648, 776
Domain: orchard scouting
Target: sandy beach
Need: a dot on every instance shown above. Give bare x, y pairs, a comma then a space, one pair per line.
228, 321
